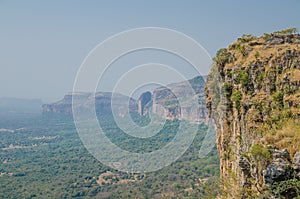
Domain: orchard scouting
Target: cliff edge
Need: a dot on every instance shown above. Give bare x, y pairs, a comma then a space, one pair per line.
253, 94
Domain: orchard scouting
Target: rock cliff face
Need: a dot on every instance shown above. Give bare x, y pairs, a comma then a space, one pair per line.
102, 103
144, 103
253, 94
163, 102
177, 101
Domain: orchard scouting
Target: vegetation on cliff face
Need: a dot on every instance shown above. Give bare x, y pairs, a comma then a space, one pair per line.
253, 93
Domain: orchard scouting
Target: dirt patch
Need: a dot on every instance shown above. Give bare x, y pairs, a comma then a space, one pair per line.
115, 178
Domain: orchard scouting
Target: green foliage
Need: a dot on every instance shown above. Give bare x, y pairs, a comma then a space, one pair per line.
259, 152
260, 77
243, 78
237, 97
287, 31
246, 38
256, 55
266, 36
287, 189
222, 57
61, 167
278, 98
227, 90
241, 48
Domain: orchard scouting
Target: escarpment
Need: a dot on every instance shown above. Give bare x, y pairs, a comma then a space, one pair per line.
253, 95
183, 100
101, 101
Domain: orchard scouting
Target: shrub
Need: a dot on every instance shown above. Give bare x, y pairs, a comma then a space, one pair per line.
227, 90
260, 152
246, 38
237, 97
241, 49
256, 55
287, 31
243, 78
260, 77
266, 35
278, 98
287, 189
222, 57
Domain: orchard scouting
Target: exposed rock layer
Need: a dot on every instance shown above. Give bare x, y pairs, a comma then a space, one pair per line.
253, 95
184, 100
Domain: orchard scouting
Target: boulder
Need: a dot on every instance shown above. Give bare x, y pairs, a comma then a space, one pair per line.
281, 154
277, 171
296, 161
296, 164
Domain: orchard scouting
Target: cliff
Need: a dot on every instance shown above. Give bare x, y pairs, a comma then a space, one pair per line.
102, 103
253, 94
177, 101
144, 103
163, 102
183, 100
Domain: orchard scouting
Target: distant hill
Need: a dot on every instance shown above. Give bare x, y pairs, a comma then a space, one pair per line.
102, 103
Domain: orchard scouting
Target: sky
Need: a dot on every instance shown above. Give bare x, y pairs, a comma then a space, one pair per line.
44, 43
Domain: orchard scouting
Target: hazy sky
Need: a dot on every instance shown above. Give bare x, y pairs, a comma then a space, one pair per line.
43, 43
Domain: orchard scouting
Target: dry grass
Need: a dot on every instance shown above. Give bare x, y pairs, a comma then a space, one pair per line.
295, 75
288, 137
264, 53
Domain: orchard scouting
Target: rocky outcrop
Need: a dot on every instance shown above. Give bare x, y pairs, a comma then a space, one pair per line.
184, 100
280, 169
253, 96
296, 164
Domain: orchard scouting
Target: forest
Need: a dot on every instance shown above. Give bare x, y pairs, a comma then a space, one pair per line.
43, 157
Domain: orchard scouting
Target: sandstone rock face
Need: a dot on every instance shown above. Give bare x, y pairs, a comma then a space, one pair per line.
183, 100
253, 95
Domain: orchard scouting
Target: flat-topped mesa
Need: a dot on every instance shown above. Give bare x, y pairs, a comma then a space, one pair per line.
253, 94
64, 106
102, 101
